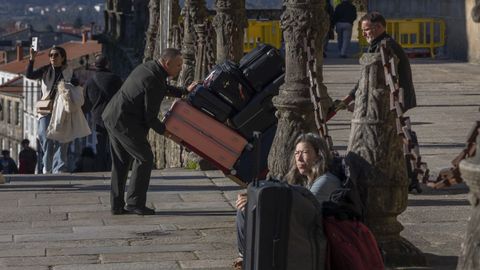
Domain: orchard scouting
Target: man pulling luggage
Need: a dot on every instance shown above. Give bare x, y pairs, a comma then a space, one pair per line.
128, 117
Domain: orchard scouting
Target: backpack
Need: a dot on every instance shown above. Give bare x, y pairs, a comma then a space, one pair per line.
348, 201
351, 245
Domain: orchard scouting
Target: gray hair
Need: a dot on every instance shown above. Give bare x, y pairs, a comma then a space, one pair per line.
169, 54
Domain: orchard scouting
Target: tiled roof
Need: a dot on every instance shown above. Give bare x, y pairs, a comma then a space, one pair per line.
13, 86
75, 50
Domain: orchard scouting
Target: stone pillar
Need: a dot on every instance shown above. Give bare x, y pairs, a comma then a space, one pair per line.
294, 106
470, 170
153, 25
194, 12
201, 67
476, 11
375, 145
230, 23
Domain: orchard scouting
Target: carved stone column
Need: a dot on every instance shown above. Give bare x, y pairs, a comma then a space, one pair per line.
476, 11
201, 68
194, 12
470, 170
230, 23
153, 25
294, 107
375, 144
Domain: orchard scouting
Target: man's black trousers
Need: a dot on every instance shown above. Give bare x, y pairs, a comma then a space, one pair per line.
126, 149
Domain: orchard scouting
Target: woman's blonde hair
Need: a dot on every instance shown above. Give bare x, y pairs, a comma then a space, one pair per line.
319, 168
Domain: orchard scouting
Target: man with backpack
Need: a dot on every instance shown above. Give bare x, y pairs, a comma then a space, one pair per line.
98, 91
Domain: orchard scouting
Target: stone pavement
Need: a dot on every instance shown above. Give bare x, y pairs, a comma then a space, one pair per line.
62, 222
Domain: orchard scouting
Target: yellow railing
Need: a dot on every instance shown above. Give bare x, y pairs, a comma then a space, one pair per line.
266, 32
415, 33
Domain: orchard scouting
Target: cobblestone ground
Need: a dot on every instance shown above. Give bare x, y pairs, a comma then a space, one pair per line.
62, 222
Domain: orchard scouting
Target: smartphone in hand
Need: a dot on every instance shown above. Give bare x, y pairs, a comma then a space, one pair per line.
35, 43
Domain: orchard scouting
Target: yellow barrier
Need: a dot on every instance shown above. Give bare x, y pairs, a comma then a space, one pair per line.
413, 33
265, 32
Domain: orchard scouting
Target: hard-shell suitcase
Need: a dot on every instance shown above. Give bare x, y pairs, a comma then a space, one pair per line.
204, 135
243, 166
284, 228
201, 98
261, 66
227, 81
259, 114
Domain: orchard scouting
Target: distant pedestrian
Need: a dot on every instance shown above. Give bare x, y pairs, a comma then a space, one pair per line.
8, 164
99, 90
86, 162
330, 34
128, 117
27, 159
343, 17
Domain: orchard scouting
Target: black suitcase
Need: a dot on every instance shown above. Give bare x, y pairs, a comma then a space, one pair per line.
227, 81
243, 166
283, 228
261, 66
259, 114
201, 98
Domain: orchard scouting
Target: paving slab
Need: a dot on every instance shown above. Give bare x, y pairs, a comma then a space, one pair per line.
63, 222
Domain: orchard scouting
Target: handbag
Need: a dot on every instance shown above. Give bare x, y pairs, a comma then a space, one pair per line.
44, 106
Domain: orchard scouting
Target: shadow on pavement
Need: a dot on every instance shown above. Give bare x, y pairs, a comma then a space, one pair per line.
437, 202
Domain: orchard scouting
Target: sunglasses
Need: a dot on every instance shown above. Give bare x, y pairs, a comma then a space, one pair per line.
53, 55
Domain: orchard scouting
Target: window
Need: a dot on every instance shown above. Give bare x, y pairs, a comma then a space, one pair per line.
9, 112
17, 113
2, 102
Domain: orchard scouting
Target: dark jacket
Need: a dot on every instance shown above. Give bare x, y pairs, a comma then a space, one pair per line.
99, 90
27, 161
345, 12
134, 109
8, 165
404, 70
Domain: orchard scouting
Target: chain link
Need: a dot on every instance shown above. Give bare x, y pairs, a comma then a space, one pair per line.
416, 168
320, 118
451, 176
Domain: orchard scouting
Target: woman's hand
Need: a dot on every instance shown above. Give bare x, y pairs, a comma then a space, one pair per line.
241, 201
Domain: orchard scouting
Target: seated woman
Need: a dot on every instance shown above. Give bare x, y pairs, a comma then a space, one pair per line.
310, 167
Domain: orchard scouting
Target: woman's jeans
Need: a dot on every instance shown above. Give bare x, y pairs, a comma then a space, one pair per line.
54, 152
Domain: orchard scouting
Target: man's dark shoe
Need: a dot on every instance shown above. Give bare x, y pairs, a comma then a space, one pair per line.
118, 211
144, 211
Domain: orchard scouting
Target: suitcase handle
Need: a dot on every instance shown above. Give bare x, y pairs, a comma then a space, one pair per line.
258, 153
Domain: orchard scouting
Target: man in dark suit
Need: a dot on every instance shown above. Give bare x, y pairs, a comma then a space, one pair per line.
128, 117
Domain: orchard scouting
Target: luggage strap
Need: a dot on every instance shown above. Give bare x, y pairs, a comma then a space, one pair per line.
417, 170
315, 94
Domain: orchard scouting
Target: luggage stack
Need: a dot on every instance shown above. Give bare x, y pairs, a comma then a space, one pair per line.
218, 120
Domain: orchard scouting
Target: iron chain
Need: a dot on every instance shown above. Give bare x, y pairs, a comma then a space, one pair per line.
417, 169
320, 117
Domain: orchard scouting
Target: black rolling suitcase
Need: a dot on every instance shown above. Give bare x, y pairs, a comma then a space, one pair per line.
201, 98
227, 82
261, 66
243, 166
259, 114
284, 228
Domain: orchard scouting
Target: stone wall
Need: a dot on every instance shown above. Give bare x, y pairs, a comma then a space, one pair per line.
452, 11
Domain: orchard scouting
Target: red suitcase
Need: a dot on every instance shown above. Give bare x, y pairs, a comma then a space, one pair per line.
204, 135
